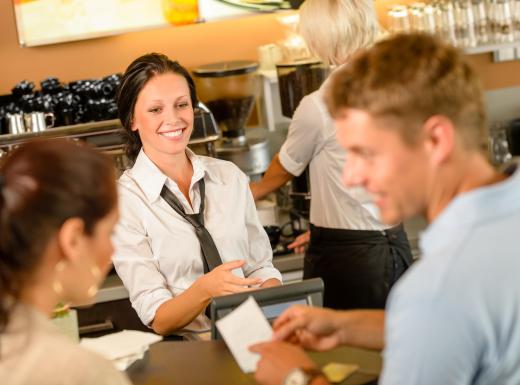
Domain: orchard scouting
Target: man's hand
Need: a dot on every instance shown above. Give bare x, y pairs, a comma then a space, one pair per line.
277, 360
313, 328
324, 329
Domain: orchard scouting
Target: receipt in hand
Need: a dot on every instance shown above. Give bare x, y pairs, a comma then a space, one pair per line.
243, 327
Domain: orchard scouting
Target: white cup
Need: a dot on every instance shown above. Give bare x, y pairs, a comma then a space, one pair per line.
267, 213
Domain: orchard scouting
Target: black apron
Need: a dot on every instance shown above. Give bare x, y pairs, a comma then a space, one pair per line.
358, 267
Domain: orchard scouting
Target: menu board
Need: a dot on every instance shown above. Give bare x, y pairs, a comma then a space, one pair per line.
51, 21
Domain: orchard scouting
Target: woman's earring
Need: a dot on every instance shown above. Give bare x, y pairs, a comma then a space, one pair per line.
96, 273
56, 284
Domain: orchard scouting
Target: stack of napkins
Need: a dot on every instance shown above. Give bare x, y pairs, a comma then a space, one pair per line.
122, 348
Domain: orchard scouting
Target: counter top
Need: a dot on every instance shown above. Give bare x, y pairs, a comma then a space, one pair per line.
112, 288
210, 362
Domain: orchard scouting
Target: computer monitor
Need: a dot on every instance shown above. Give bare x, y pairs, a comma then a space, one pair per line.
273, 300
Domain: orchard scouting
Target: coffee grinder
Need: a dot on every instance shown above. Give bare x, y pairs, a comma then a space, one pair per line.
295, 80
229, 90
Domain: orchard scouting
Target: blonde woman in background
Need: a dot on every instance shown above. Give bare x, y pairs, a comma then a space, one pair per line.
358, 257
58, 207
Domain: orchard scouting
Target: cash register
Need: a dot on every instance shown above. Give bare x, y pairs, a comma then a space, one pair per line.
273, 301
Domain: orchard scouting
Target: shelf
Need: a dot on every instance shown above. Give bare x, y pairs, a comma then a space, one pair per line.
490, 48
81, 130
76, 131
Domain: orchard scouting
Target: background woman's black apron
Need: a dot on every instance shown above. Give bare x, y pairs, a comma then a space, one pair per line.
358, 267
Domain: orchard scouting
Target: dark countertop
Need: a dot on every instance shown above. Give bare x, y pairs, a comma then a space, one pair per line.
210, 362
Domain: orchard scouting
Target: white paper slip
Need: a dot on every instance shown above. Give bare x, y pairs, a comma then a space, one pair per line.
243, 327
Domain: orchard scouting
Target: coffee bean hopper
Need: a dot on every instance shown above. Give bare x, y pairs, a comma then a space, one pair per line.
229, 90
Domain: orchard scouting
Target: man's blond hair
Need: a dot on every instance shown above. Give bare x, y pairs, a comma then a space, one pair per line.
409, 78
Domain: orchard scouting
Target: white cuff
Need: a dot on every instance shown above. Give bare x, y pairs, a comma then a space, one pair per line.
290, 165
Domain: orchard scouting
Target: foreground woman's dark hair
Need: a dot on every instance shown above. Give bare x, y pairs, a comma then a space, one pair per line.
42, 184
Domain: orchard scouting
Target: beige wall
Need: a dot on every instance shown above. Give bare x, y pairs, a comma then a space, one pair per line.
191, 45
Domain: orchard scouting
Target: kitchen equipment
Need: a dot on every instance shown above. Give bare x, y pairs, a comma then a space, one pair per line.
267, 212
204, 124
229, 90
398, 19
498, 143
15, 123
297, 79
513, 137
465, 24
273, 232
37, 121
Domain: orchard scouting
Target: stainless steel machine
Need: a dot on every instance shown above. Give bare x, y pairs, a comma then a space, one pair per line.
229, 90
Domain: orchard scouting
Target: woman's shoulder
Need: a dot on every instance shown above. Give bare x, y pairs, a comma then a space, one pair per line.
69, 363
223, 169
82, 365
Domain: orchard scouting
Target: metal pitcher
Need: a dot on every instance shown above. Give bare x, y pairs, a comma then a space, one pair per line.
15, 123
37, 121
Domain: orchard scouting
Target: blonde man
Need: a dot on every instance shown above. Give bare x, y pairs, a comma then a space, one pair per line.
413, 133
357, 256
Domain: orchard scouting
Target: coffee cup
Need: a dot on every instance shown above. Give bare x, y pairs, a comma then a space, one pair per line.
37, 121
15, 123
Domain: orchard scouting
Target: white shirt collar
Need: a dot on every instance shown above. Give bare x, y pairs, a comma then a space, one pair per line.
151, 179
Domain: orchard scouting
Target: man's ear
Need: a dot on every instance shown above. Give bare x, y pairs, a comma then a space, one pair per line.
70, 238
439, 138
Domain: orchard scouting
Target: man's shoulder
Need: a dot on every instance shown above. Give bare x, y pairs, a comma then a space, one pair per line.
430, 279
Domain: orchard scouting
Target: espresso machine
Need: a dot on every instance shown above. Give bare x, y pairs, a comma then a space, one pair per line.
229, 90
295, 80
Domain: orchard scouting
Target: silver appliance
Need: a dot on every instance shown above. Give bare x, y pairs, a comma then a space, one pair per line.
229, 90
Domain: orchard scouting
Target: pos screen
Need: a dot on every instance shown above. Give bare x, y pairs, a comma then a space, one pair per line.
272, 301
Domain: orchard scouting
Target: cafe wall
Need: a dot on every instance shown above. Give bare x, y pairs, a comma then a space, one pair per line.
191, 45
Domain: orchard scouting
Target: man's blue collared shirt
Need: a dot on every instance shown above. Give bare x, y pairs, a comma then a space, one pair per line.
454, 318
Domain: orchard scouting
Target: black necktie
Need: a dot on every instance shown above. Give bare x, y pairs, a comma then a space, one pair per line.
210, 255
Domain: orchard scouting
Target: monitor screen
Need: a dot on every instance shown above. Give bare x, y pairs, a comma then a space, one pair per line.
273, 301
273, 311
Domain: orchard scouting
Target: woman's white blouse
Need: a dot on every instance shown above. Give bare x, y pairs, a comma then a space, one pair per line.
158, 255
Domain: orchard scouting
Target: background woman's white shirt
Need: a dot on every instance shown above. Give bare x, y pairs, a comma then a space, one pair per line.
157, 254
311, 141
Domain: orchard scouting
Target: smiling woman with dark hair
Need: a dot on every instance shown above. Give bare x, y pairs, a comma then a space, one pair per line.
189, 230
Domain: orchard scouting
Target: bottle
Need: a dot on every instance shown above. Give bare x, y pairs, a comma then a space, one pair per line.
180, 12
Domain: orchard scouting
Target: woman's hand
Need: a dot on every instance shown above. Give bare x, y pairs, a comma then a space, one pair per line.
301, 242
221, 281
